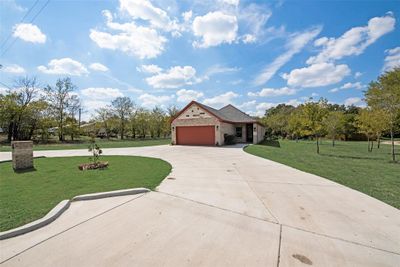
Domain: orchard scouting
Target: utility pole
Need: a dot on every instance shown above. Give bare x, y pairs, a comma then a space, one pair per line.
80, 113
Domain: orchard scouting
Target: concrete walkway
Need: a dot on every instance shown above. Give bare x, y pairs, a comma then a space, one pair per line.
218, 207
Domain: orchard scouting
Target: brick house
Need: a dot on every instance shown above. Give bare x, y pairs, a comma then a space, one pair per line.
198, 124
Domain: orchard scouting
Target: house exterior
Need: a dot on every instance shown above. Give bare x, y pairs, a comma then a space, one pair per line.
198, 124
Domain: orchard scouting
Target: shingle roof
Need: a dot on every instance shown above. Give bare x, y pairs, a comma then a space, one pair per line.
229, 113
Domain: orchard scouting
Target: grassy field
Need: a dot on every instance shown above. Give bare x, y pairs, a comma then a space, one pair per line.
102, 142
347, 163
28, 196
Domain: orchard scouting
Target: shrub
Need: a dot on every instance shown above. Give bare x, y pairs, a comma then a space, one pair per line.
229, 139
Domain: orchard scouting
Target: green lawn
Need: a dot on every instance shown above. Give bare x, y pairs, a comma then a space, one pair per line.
28, 196
348, 163
103, 144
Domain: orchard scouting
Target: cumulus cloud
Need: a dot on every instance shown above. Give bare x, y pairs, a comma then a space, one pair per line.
271, 92
316, 75
149, 69
98, 67
14, 68
248, 104
148, 100
295, 44
174, 77
356, 101
354, 41
101, 93
29, 33
357, 74
145, 10
64, 66
184, 95
3, 91
221, 100
139, 41
392, 59
215, 28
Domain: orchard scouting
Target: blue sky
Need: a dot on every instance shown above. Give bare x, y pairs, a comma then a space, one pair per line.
253, 54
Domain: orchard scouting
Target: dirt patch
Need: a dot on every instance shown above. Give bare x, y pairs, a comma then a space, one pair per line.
302, 259
171, 178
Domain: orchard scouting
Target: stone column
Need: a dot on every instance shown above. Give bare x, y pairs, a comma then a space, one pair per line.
22, 155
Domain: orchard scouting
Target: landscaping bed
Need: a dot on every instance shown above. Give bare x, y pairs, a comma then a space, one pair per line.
29, 195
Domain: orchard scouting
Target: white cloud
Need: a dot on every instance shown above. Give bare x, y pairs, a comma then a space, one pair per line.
3, 90
230, 2
221, 100
392, 59
16, 69
101, 93
29, 33
174, 77
252, 20
354, 41
188, 95
248, 104
98, 67
295, 44
215, 28
356, 85
293, 102
187, 16
271, 92
217, 69
149, 69
357, 74
145, 10
316, 75
356, 101
148, 100
139, 41
64, 66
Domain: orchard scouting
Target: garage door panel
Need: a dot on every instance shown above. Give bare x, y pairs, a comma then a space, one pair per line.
195, 135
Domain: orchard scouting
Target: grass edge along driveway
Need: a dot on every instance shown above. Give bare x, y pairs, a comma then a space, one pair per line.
348, 163
103, 143
28, 196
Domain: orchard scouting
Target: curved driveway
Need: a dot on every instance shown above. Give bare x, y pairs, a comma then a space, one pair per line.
218, 207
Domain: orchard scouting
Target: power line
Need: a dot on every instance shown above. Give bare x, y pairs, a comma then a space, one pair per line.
32, 20
26, 14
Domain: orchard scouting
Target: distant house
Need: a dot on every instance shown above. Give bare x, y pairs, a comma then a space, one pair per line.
198, 124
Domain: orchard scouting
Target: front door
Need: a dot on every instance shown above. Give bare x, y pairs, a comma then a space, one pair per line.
249, 133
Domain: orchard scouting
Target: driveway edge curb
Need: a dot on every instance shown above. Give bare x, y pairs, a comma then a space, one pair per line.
63, 206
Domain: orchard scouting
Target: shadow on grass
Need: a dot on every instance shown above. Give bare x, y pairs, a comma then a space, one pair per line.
350, 157
26, 170
273, 143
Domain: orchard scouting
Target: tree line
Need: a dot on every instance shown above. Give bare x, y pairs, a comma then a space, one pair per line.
318, 119
31, 111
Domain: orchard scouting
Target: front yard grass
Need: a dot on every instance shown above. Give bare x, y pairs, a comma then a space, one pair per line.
27, 196
347, 163
103, 143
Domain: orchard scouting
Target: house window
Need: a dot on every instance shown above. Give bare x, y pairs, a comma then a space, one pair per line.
239, 132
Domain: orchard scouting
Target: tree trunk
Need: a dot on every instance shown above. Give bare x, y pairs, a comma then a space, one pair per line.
372, 145
379, 141
317, 144
368, 143
333, 141
392, 139
10, 132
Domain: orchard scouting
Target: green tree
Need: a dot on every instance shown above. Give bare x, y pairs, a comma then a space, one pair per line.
334, 124
384, 94
60, 98
313, 116
365, 123
123, 108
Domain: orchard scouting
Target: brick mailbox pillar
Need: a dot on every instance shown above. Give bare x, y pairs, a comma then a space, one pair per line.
22, 155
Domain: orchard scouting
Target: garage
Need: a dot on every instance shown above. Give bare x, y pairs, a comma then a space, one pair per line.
195, 135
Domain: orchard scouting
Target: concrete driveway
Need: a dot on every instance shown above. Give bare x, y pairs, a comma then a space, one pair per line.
218, 207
